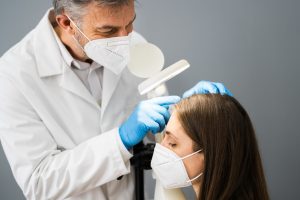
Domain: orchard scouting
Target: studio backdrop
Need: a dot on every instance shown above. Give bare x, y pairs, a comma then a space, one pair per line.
252, 46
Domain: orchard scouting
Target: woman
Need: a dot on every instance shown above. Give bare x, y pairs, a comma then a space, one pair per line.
210, 143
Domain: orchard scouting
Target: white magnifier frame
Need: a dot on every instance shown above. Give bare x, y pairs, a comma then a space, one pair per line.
147, 61
163, 76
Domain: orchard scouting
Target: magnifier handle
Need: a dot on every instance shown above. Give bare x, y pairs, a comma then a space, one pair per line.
163, 76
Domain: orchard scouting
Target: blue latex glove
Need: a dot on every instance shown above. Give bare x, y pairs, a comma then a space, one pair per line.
150, 115
206, 87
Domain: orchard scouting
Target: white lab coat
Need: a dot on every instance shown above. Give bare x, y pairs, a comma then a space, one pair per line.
59, 143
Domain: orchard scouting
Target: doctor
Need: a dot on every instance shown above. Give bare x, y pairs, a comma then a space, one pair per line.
69, 108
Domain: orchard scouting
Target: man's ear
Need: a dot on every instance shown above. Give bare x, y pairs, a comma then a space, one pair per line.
65, 23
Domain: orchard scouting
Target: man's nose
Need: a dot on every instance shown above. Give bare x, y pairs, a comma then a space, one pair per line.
123, 32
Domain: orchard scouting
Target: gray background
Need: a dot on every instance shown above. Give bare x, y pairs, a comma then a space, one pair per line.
252, 46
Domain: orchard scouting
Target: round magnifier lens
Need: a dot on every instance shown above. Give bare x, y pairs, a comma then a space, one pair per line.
146, 59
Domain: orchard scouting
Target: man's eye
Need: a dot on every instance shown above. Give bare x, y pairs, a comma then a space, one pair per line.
106, 32
111, 31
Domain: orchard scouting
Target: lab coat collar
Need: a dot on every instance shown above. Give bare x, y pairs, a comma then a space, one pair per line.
50, 61
71, 82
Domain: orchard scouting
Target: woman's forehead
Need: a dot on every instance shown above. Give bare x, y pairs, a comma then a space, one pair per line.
175, 128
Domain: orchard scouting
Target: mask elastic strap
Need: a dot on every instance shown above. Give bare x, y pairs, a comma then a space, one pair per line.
187, 156
78, 44
78, 28
195, 177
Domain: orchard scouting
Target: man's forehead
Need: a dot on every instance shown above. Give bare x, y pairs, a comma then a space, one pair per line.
110, 15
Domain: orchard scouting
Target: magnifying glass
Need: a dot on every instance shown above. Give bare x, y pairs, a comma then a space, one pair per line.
147, 61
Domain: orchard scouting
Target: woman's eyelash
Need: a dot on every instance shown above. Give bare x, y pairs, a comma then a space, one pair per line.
172, 145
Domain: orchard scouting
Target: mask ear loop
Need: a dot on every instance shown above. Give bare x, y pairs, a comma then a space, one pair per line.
187, 156
80, 32
78, 44
78, 28
191, 180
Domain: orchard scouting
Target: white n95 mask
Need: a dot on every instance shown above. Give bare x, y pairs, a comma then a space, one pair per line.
112, 53
169, 169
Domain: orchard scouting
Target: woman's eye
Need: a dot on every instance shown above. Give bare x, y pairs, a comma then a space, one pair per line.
172, 145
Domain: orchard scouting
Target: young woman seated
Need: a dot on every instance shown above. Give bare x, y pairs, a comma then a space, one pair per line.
209, 143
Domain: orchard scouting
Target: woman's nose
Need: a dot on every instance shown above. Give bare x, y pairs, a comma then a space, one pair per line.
163, 142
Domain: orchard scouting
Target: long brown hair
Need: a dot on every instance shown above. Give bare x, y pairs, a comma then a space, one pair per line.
220, 126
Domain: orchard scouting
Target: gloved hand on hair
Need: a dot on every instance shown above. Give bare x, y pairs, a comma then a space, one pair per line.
206, 87
150, 115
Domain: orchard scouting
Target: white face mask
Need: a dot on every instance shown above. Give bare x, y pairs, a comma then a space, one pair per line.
169, 169
112, 53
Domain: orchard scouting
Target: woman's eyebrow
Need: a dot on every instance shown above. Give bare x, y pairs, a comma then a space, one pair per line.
171, 134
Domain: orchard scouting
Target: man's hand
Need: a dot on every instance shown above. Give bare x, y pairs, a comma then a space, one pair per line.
206, 87
150, 115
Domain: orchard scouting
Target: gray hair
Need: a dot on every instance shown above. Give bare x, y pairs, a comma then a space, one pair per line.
75, 7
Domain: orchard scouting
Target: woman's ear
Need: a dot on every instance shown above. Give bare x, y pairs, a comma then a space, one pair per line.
201, 160
202, 157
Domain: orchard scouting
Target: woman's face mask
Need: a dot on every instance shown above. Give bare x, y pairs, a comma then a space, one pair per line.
169, 169
112, 53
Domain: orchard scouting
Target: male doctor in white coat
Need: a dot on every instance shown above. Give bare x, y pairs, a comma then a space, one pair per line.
70, 111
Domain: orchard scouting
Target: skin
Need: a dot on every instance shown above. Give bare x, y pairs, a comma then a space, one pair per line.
176, 139
99, 22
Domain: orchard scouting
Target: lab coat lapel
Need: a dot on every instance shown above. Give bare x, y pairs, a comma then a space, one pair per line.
110, 82
53, 64
69, 81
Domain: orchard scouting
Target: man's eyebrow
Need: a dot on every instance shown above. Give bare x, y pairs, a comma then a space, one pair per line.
171, 134
112, 27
